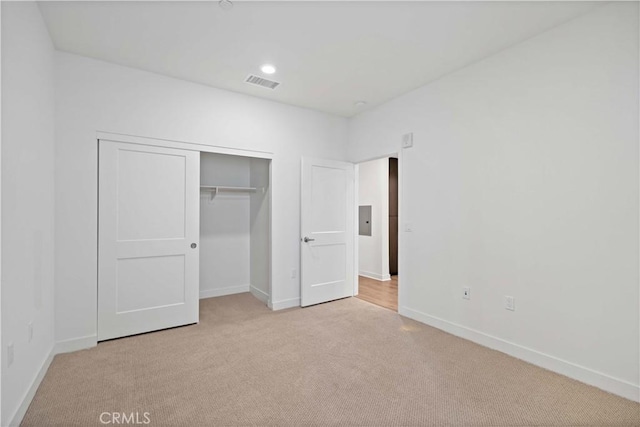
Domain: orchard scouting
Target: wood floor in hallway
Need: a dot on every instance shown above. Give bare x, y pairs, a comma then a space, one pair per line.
384, 294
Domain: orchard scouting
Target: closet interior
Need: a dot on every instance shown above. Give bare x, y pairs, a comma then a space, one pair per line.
235, 253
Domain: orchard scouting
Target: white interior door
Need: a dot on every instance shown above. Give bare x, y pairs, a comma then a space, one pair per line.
327, 225
148, 237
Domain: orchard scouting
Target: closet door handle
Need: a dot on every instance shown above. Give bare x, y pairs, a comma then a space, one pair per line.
307, 240
193, 246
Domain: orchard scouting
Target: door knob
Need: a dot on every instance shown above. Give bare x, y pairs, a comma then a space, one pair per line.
193, 246
307, 240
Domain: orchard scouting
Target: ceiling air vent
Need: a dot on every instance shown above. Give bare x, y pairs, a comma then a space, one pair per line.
259, 81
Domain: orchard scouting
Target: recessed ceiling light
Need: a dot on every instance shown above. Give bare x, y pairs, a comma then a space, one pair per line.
268, 69
360, 104
225, 4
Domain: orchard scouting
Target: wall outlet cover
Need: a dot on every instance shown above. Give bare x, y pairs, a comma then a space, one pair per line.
407, 140
510, 303
466, 292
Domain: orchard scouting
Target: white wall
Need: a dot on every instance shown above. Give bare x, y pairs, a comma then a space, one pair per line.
523, 181
93, 95
373, 190
224, 226
27, 201
1, 352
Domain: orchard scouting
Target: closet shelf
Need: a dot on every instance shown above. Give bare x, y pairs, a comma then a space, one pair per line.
215, 189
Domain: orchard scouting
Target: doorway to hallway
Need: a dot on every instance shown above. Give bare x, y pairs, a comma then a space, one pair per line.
378, 232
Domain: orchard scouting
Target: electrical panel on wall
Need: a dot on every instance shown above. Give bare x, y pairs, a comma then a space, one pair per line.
364, 220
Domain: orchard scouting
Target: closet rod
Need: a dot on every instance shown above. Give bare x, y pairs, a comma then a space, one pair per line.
215, 189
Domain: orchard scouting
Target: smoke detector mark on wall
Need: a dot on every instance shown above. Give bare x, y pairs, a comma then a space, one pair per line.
262, 82
225, 5
407, 140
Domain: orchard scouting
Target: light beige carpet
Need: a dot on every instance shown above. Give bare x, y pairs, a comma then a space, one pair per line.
343, 363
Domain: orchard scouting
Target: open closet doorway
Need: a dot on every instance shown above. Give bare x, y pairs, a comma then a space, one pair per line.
235, 254
378, 232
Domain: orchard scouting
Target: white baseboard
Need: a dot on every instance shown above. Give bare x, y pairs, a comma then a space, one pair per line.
287, 303
375, 276
75, 344
261, 295
28, 397
219, 292
65, 346
597, 379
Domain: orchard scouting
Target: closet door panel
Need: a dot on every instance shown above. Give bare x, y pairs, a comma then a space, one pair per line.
167, 273
148, 238
160, 177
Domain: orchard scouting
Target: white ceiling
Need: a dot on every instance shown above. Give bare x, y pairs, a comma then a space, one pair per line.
328, 54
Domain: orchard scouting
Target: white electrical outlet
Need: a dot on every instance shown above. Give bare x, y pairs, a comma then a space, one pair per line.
29, 331
466, 292
10, 354
294, 273
408, 227
509, 303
